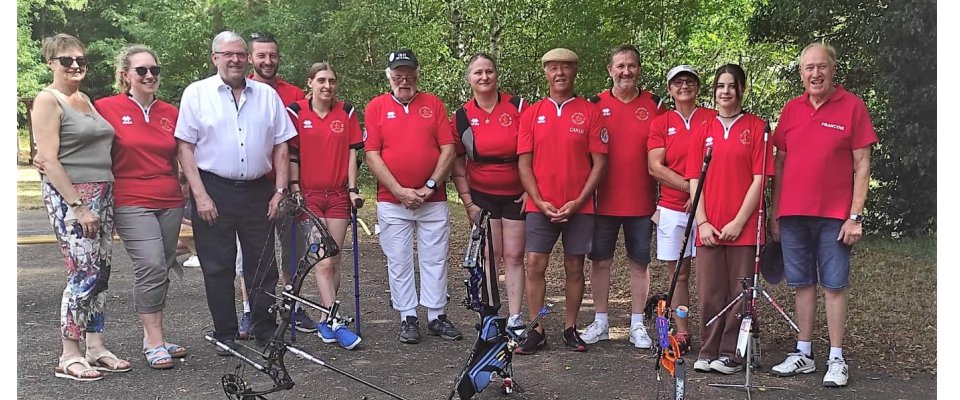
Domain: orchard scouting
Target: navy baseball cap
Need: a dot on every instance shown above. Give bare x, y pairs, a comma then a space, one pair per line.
402, 57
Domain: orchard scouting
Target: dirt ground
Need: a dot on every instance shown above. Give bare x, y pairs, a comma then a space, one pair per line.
610, 370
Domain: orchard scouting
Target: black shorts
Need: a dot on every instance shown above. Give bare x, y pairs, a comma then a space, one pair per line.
500, 206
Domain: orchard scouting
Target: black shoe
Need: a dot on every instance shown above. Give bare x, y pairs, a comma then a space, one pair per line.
409, 331
535, 340
444, 328
224, 353
572, 340
303, 323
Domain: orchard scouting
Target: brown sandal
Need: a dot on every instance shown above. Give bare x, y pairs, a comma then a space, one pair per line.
63, 370
96, 361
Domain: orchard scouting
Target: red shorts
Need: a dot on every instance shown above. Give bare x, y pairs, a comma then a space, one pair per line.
330, 203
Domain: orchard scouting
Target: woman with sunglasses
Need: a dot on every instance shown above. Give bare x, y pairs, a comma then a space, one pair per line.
727, 213
73, 157
147, 195
668, 142
323, 169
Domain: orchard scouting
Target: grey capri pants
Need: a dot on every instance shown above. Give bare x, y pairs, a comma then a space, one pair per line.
150, 237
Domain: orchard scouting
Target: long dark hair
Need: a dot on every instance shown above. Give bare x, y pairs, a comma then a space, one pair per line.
739, 78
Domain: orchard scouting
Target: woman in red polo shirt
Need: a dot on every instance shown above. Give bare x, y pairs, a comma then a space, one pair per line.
149, 203
323, 168
727, 213
485, 171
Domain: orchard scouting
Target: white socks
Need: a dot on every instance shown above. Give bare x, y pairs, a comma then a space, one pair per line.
636, 319
805, 347
602, 317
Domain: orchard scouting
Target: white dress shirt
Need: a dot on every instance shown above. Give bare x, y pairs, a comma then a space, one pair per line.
233, 140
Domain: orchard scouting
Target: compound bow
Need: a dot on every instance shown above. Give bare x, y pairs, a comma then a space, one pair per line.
273, 353
493, 351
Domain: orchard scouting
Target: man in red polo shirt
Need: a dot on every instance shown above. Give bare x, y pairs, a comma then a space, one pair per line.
626, 196
822, 173
264, 56
563, 156
410, 148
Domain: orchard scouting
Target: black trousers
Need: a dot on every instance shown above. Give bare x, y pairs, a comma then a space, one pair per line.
242, 208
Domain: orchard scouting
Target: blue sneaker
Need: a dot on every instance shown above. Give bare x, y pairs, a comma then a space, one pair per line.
325, 332
346, 337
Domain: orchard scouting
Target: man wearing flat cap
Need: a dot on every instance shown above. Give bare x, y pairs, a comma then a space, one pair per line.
562, 147
410, 149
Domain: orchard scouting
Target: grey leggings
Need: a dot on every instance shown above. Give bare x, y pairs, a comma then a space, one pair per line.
150, 237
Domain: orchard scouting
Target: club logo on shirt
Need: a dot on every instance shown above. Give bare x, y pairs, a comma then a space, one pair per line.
307, 124
671, 131
506, 120
605, 112
642, 114
541, 119
391, 115
578, 119
126, 120
838, 127
426, 112
745, 137
474, 121
603, 135
336, 126
166, 124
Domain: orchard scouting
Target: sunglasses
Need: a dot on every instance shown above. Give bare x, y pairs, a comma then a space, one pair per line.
67, 61
142, 71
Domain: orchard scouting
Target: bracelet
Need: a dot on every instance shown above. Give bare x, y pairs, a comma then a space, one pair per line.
294, 182
468, 205
700, 224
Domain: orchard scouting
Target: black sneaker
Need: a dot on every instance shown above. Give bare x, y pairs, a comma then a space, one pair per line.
683, 340
224, 353
303, 322
444, 328
409, 331
533, 341
726, 366
572, 340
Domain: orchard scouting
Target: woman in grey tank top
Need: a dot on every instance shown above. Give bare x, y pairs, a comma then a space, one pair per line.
73, 157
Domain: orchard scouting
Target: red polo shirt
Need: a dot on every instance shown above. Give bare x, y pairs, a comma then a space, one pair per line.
288, 92
324, 144
819, 143
738, 155
144, 152
561, 138
672, 132
408, 137
494, 136
628, 190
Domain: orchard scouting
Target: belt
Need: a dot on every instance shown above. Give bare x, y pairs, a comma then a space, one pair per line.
232, 182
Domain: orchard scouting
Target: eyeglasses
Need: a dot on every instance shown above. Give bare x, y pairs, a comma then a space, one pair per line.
230, 54
678, 83
401, 78
155, 70
67, 61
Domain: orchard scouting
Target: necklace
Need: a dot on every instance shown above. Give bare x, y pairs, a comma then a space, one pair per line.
732, 116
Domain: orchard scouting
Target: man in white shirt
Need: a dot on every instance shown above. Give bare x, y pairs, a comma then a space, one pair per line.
230, 133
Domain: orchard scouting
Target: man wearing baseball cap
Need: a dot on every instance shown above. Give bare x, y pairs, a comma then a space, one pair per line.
667, 146
562, 147
410, 148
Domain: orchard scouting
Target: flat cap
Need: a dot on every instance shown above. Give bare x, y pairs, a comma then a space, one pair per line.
559, 54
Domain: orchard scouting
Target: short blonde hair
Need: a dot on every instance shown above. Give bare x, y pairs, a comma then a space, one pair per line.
59, 43
123, 63
831, 52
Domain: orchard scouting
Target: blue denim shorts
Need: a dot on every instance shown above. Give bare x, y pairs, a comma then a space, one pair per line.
812, 253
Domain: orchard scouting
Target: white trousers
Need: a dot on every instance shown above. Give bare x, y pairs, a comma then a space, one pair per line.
397, 226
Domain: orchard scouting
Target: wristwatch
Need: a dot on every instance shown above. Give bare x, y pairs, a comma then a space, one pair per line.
857, 217
431, 184
283, 190
353, 190
76, 203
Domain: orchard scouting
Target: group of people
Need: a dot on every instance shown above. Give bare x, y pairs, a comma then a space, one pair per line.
577, 168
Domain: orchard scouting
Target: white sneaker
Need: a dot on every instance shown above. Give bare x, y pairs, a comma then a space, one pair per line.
702, 365
837, 373
597, 331
192, 262
639, 337
795, 363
